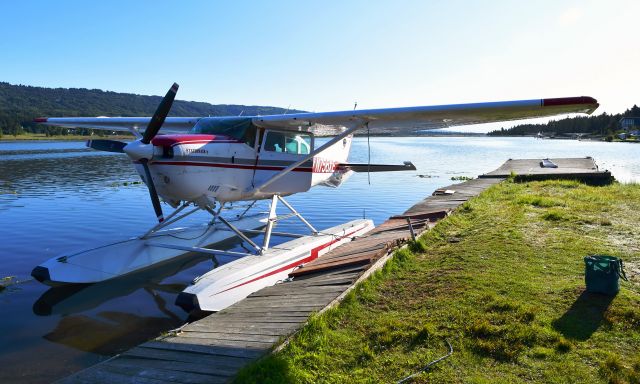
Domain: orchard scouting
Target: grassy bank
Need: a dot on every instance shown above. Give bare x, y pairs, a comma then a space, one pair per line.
502, 280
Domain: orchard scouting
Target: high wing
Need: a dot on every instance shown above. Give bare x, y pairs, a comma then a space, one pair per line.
171, 124
379, 121
410, 119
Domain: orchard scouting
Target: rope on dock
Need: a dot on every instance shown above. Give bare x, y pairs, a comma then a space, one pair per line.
428, 365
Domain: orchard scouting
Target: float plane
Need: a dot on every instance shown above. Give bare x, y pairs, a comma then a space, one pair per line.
204, 163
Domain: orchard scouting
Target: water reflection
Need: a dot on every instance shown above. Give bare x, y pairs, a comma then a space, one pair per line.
51, 176
74, 298
109, 332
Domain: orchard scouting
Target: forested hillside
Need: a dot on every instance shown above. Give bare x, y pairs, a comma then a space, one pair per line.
20, 104
603, 124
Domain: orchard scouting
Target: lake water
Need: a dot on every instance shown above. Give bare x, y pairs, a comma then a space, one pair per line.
58, 196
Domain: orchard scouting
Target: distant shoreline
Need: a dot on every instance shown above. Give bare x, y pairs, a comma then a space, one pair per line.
43, 137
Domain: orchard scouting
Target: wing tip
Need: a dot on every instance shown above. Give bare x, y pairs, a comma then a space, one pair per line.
590, 103
568, 101
40, 120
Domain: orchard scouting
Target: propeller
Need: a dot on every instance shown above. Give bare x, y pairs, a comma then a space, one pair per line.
161, 113
142, 150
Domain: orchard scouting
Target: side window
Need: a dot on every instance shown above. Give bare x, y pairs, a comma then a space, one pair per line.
305, 144
291, 146
274, 142
288, 142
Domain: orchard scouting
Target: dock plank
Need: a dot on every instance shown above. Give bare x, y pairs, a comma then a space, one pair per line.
174, 366
186, 357
140, 371
223, 337
171, 345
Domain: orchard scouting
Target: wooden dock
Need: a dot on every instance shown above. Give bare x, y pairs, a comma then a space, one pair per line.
215, 348
583, 169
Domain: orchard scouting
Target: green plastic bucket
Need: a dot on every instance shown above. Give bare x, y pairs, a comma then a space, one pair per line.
602, 274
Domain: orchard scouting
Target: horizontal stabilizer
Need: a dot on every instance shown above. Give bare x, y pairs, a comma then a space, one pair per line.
407, 166
107, 145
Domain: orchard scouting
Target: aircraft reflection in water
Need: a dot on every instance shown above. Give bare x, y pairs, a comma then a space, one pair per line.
108, 332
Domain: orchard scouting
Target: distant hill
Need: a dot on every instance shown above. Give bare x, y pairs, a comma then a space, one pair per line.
20, 104
603, 124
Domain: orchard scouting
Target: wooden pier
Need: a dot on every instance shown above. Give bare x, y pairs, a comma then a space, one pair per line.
215, 348
583, 169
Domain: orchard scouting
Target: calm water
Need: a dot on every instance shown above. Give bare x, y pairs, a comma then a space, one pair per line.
57, 197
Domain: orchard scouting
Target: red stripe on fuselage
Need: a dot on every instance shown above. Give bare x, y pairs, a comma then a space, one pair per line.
227, 165
312, 256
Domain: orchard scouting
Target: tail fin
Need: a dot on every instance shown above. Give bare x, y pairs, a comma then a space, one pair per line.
407, 166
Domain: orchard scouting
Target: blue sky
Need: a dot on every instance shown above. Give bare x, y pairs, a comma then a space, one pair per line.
324, 55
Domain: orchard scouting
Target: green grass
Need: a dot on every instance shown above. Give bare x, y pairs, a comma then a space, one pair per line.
508, 294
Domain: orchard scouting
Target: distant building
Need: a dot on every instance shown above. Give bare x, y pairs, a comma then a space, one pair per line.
630, 123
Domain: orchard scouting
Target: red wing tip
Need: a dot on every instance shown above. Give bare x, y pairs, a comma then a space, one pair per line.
40, 120
580, 100
174, 87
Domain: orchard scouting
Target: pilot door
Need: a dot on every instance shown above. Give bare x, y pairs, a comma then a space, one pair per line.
278, 150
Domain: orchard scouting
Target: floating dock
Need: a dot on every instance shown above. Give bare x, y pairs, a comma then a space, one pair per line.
583, 169
215, 348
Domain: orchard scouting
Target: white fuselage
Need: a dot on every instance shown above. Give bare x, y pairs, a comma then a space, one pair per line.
202, 167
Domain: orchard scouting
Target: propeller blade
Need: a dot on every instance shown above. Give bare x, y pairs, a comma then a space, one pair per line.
107, 145
161, 113
152, 190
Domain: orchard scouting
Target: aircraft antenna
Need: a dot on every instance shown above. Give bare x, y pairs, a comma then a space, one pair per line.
355, 105
287, 110
241, 112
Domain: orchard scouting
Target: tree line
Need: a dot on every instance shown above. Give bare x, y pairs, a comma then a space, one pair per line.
20, 104
603, 125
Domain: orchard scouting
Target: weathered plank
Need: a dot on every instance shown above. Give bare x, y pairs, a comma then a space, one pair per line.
96, 375
221, 336
256, 318
213, 342
187, 357
291, 299
171, 345
174, 366
286, 291
141, 372
277, 330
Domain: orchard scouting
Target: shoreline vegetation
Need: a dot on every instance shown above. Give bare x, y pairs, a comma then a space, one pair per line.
595, 127
502, 280
20, 105
26, 136
44, 137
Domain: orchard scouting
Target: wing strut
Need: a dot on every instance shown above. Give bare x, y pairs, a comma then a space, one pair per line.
298, 163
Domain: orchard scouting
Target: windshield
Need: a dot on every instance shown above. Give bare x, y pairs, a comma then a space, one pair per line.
240, 128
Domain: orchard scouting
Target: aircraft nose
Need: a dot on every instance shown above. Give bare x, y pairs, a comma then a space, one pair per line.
41, 274
138, 150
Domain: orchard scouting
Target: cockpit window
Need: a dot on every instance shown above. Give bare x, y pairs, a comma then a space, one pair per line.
240, 128
288, 142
